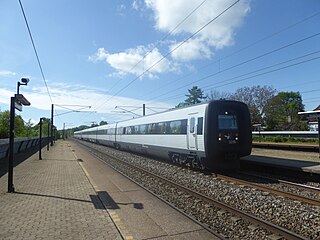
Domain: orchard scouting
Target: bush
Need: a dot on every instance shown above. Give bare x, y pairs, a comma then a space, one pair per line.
282, 139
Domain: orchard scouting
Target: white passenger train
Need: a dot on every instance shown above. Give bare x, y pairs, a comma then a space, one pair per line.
211, 135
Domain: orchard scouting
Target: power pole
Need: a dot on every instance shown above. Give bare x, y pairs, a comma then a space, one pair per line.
48, 143
143, 109
51, 124
40, 140
11, 144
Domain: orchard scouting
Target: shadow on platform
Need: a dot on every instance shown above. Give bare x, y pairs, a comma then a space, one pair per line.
109, 203
101, 201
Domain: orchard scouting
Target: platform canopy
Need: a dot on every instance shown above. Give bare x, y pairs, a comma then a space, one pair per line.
312, 114
315, 114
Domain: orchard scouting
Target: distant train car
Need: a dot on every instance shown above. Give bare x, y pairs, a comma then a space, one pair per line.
211, 135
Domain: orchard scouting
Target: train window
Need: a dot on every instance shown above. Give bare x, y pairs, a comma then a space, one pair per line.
168, 130
162, 128
192, 124
154, 128
148, 128
200, 126
184, 124
142, 129
120, 130
175, 127
137, 129
227, 122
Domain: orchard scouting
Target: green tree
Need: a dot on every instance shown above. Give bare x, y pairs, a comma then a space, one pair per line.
19, 127
282, 112
4, 124
217, 95
36, 128
256, 98
28, 130
103, 123
195, 95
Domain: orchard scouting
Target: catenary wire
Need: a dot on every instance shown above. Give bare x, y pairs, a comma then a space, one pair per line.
37, 56
240, 50
223, 82
237, 65
260, 74
165, 37
35, 51
174, 49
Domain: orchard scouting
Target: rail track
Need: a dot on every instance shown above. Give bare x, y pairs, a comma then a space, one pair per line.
227, 221
276, 186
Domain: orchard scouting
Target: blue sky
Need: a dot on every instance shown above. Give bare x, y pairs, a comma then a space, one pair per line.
105, 54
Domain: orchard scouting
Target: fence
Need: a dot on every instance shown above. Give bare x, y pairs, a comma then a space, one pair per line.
20, 144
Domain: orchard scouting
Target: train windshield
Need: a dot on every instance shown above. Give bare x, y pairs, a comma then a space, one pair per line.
228, 122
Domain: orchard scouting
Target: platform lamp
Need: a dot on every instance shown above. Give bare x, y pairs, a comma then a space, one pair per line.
16, 103
40, 137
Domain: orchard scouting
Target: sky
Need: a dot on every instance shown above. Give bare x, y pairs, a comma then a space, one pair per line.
102, 60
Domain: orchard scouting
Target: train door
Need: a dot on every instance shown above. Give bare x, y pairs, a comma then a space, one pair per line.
192, 132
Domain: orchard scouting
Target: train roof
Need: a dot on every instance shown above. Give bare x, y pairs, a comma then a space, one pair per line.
181, 108
159, 113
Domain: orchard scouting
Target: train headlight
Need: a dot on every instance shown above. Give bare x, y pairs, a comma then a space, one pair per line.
236, 138
219, 138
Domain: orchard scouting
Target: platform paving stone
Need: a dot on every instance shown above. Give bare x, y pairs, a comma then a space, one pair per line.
53, 199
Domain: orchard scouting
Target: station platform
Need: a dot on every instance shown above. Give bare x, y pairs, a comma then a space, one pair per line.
70, 194
295, 161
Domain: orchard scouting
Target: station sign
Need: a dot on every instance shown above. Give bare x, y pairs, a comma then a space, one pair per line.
18, 106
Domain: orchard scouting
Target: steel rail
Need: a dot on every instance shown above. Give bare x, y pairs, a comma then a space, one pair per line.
251, 218
148, 190
301, 186
298, 185
269, 190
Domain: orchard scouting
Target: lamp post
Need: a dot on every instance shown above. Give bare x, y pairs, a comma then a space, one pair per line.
16, 103
40, 138
48, 143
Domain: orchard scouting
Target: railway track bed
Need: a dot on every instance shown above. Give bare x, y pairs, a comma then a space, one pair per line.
299, 192
230, 210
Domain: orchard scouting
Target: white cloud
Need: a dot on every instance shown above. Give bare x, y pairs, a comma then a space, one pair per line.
218, 34
5, 95
167, 15
135, 61
192, 49
71, 94
136, 4
7, 73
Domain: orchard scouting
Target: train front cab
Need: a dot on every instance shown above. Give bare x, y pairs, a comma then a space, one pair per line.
227, 134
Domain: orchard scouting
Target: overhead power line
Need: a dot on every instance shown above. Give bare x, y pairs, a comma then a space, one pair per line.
165, 37
165, 56
229, 81
35, 51
239, 64
238, 51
